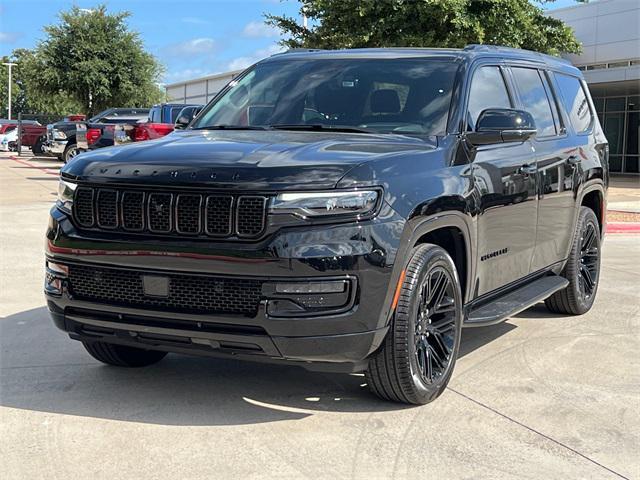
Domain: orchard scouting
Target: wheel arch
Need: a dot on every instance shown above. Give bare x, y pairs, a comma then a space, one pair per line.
593, 196
450, 230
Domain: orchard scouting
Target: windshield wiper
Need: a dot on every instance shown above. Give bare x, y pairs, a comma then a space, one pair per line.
231, 127
319, 127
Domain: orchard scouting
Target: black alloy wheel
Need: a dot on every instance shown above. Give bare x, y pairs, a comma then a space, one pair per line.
589, 260
435, 325
582, 268
416, 361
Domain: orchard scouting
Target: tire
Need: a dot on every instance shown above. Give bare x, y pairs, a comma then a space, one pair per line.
123, 356
582, 269
37, 147
70, 151
424, 328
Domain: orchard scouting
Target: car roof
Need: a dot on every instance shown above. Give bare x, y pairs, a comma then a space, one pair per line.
467, 54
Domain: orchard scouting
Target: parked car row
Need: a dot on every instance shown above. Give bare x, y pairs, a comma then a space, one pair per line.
74, 134
9, 133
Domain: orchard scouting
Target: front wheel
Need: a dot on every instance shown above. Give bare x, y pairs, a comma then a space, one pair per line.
418, 356
70, 152
582, 269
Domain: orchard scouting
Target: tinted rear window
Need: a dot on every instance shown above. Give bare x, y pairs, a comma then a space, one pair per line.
575, 102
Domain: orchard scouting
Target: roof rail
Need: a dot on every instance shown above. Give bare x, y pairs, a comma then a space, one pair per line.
498, 48
298, 50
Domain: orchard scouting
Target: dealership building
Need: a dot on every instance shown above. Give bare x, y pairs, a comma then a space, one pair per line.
609, 31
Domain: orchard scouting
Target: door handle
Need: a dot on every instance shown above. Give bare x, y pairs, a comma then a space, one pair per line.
574, 160
528, 169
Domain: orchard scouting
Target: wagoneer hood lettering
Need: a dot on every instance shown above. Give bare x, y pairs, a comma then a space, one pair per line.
242, 159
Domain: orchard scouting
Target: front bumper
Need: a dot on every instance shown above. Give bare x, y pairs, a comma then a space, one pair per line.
336, 340
55, 147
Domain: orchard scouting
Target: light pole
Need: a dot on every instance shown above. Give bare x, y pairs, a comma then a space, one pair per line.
9, 64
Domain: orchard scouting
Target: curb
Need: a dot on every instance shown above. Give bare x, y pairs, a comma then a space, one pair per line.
623, 227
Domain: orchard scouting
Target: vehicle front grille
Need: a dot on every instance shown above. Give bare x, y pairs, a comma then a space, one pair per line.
180, 213
186, 293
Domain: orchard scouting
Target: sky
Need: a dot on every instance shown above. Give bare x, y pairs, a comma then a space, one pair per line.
192, 38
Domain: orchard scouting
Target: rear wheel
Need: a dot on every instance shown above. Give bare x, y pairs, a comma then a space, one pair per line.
420, 350
123, 356
582, 269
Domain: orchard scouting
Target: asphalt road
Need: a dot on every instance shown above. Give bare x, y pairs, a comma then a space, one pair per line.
540, 396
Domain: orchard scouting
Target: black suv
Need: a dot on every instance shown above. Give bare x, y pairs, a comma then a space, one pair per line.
339, 210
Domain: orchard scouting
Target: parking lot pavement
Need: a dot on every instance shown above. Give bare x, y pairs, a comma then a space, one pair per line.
539, 396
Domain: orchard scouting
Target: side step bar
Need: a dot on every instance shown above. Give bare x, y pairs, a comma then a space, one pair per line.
514, 302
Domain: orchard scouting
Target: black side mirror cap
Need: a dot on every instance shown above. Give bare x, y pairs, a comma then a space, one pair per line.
502, 125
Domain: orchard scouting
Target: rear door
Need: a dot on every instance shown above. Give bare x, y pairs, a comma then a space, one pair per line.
504, 176
556, 156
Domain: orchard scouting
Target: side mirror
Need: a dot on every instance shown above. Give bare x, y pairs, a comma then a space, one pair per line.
501, 125
182, 122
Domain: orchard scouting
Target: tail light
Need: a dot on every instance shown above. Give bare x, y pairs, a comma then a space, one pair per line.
149, 131
93, 134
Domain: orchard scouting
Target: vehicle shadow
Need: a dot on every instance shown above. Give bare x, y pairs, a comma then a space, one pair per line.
41, 369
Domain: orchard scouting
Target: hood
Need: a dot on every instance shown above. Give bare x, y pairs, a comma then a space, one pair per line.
254, 159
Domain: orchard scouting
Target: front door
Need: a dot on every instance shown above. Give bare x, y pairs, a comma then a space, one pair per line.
505, 180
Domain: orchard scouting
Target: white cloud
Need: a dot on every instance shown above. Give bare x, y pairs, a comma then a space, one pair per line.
192, 48
259, 30
9, 37
243, 62
195, 21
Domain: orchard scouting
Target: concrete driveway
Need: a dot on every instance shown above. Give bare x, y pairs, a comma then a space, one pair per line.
540, 396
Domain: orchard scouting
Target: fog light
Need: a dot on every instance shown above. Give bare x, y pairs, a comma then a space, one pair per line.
54, 275
307, 288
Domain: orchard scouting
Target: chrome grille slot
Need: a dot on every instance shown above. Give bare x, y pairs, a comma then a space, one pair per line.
250, 216
182, 213
188, 214
133, 211
83, 206
219, 215
159, 212
107, 208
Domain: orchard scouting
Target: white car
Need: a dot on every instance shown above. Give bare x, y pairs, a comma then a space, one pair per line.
8, 138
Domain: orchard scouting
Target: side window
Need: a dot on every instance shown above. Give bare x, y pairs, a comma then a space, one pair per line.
154, 115
488, 90
534, 99
575, 102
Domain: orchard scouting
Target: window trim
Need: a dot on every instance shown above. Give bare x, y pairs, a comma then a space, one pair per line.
560, 130
506, 80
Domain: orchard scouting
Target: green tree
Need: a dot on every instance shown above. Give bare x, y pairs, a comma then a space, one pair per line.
425, 23
93, 59
27, 94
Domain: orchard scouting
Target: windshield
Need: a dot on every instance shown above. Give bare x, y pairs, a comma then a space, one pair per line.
406, 96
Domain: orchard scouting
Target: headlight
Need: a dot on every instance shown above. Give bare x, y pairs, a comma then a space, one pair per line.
312, 205
59, 135
65, 195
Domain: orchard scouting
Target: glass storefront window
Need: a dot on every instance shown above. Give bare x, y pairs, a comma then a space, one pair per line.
633, 103
633, 126
614, 130
599, 104
615, 163
616, 104
632, 164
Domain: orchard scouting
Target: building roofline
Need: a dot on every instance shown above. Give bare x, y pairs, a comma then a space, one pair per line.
212, 76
